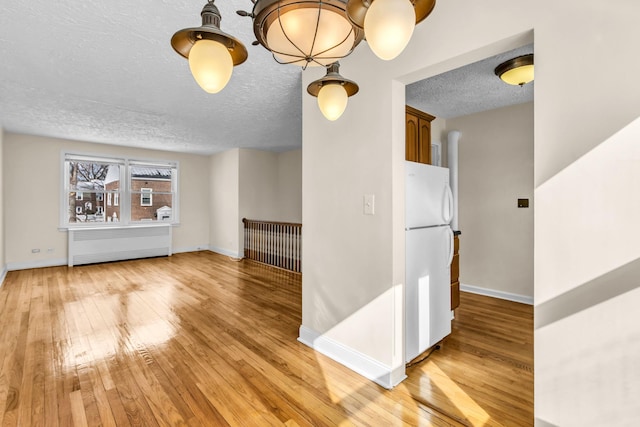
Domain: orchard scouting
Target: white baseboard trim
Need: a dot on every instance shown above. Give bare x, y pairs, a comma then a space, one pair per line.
190, 249
3, 275
497, 294
352, 359
226, 252
25, 265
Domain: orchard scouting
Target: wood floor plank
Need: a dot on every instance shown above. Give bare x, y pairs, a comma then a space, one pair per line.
198, 339
78, 409
50, 410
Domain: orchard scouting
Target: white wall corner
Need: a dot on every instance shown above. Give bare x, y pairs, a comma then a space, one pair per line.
524, 299
3, 275
227, 252
360, 363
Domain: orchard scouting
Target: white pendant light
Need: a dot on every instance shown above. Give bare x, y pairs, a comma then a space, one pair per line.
389, 26
332, 101
211, 52
211, 65
333, 92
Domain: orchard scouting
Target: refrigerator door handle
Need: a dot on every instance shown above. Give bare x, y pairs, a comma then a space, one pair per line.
451, 244
447, 206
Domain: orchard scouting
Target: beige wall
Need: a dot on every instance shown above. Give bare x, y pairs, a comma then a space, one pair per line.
252, 184
354, 264
216, 192
271, 185
258, 185
3, 264
439, 133
224, 203
495, 161
32, 165
290, 186
349, 297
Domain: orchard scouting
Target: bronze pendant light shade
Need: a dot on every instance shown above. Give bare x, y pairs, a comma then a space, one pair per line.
357, 10
183, 40
333, 77
333, 92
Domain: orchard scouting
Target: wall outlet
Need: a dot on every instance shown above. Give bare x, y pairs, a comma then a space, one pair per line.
50, 250
35, 251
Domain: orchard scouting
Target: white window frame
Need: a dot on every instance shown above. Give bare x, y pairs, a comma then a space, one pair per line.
124, 190
143, 193
109, 199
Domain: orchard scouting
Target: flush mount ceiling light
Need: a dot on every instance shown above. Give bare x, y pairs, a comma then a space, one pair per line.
212, 54
517, 71
333, 92
388, 24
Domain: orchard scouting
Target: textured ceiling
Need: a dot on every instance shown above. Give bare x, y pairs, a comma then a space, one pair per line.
469, 89
105, 72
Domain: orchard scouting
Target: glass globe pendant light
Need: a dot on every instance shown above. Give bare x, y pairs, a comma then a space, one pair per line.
210, 64
333, 92
212, 54
332, 100
388, 24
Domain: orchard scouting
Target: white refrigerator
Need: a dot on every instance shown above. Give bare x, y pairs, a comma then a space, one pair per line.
429, 251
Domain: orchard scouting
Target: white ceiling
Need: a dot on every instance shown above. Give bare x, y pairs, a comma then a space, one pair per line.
105, 72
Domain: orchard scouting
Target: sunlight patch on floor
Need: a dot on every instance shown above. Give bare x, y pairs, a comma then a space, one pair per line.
469, 408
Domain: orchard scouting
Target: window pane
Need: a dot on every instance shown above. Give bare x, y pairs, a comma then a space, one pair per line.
90, 208
92, 176
151, 193
93, 192
159, 210
151, 172
112, 213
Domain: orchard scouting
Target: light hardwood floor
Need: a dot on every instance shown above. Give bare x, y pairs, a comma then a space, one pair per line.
201, 340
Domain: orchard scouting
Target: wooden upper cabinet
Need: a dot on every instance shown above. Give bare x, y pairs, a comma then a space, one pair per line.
411, 140
418, 135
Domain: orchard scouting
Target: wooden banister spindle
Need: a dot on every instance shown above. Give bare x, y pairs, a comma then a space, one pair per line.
274, 243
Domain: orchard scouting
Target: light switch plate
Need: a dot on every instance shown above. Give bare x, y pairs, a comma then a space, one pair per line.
369, 204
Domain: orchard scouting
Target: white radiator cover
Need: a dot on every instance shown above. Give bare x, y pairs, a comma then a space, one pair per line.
92, 245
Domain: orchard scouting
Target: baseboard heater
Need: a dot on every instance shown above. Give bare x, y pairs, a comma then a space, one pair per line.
93, 245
